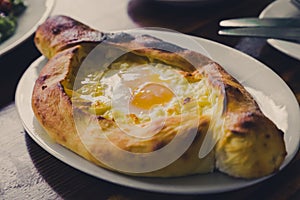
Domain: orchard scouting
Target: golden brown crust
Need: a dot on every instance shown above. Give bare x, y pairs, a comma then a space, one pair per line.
52, 106
53, 109
249, 139
246, 153
59, 32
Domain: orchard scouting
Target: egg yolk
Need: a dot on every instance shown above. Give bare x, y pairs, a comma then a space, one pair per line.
150, 95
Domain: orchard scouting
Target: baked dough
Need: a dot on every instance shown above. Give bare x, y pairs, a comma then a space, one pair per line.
249, 145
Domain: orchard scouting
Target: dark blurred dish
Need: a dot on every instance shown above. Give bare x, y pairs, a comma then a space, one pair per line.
195, 2
179, 15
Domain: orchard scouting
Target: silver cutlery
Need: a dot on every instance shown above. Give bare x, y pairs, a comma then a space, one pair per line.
296, 3
279, 28
264, 22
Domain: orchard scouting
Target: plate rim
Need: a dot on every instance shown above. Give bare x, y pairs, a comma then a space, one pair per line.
133, 183
49, 7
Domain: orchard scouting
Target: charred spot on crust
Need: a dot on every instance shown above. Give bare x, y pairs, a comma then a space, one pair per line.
63, 138
231, 88
163, 46
238, 133
247, 124
44, 87
159, 145
186, 100
119, 37
43, 78
100, 118
61, 23
61, 88
55, 30
75, 50
281, 133
188, 74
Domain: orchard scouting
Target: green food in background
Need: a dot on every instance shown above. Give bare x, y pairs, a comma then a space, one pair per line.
10, 10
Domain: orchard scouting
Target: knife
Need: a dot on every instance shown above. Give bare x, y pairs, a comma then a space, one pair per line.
292, 34
264, 22
296, 3
278, 28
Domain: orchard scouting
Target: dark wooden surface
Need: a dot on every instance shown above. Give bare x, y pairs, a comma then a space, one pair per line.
29, 172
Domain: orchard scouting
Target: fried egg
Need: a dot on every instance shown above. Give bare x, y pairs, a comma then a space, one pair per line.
135, 93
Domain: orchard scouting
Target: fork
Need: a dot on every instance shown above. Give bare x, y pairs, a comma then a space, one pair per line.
296, 3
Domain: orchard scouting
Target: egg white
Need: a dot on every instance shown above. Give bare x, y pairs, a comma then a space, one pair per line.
110, 92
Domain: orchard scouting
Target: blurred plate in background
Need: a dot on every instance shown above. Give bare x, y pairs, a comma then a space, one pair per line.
36, 12
195, 2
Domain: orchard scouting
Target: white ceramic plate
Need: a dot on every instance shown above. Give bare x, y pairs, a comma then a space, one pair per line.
37, 11
283, 9
274, 96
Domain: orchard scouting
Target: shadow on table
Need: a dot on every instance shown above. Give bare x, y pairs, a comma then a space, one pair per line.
13, 64
70, 183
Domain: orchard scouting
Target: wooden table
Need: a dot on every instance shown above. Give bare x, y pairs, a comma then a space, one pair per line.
29, 172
